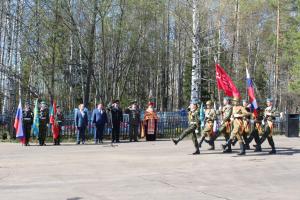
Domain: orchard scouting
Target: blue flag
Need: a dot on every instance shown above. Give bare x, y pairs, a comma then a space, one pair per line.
36, 119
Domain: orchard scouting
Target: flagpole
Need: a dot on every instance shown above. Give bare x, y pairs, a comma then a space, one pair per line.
219, 94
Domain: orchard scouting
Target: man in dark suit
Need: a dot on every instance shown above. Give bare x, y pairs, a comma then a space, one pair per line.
81, 122
117, 118
99, 119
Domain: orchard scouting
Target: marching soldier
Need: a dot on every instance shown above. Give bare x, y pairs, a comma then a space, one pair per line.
134, 121
257, 130
269, 116
225, 126
210, 117
27, 122
59, 118
246, 124
44, 121
238, 113
194, 124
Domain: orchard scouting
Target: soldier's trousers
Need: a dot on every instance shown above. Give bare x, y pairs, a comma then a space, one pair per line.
222, 130
42, 134
190, 130
133, 132
208, 130
267, 135
116, 132
27, 130
254, 135
237, 131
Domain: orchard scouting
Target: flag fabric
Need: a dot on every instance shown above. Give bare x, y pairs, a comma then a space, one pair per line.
202, 115
18, 125
251, 94
225, 83
54, 125
36, 119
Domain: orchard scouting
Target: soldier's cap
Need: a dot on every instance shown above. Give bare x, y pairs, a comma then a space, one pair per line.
57, 106
245, 100
194, 101
235, 99
116, 101
227, 98
269, 100
27, 103
43, 103
209, 102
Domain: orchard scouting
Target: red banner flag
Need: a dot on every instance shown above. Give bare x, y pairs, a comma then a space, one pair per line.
225, 83
55, 127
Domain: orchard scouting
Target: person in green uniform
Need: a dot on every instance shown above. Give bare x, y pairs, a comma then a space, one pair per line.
210, 117
270, 114
193, 128
134, 121
238, 113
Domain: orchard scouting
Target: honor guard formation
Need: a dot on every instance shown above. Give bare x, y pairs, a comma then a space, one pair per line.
234, 125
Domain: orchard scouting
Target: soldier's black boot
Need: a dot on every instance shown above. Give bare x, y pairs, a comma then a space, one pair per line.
242, 150
175, 141
197, 151
212, 146
227, 147
234, 142
247, 147
201, 141
257, 148
271, 142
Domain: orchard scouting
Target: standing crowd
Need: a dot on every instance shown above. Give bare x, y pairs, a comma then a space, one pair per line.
112, 116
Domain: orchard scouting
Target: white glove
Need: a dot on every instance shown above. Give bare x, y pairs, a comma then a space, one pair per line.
196, 131
62, 128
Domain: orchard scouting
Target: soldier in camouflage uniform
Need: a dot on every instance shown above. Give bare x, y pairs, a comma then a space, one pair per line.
43, 126
194, 124
134, 121
270, 114
210, 117
27, 122
238, 113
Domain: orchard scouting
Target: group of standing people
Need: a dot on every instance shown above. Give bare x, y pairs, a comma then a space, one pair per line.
101, 116
44, 121
113, 116
234, 126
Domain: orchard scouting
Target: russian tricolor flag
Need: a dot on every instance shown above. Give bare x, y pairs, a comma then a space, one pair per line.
18, 125
251, 93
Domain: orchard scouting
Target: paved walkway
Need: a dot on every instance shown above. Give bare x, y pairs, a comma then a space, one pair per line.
148, 170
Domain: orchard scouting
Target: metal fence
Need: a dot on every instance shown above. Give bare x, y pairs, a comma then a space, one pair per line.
170, 124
